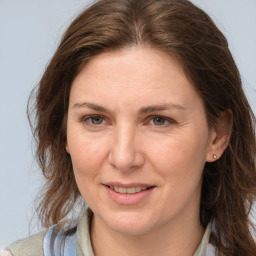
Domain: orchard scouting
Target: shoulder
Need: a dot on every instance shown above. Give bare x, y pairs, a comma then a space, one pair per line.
30, 246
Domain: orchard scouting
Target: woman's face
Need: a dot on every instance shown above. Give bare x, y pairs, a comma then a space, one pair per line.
138, 138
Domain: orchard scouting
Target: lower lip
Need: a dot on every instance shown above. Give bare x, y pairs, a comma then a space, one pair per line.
129, 199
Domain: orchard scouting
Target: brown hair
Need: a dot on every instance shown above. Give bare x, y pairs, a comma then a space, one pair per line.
186, 32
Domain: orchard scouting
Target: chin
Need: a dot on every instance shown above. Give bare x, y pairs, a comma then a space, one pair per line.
130, 223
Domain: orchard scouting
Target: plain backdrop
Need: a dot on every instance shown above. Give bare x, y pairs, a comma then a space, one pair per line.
30, 31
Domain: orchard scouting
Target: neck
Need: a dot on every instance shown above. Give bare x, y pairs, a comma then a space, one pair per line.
181, 238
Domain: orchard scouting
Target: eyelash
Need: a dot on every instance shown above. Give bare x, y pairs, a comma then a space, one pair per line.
166, 119
88, 121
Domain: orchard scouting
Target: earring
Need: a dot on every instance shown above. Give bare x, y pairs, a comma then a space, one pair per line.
214, 156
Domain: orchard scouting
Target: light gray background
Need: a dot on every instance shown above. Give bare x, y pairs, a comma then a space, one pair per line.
29, 33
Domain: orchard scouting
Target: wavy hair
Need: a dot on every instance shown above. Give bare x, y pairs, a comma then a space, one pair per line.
183, 30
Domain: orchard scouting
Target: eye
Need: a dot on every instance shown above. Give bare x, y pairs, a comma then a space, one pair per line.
161, 121
93, 120
96, 119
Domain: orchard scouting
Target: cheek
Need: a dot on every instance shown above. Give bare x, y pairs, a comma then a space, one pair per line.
179, 162
87, 156
182, 157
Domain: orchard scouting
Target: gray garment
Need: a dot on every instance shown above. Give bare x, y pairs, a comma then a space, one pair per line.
33, 245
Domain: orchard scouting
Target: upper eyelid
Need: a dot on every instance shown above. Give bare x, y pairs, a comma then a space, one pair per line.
95, 115
92, 116
164, 117
150, 116
87, 117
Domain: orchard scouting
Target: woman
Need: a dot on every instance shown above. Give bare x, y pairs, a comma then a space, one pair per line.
141, 113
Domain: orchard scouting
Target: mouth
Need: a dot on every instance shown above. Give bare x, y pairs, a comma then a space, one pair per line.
129, 190
128, 194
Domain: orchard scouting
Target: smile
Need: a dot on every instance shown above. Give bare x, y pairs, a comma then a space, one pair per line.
131, 190
128, 194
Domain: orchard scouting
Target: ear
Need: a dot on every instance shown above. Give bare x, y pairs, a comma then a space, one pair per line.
67, 148
220, 136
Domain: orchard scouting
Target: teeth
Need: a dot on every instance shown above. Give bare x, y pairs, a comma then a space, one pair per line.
138, 189
131, 190
123, 190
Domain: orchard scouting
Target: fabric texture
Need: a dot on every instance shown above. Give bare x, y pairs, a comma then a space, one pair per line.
33, 245
58, 241
84, 246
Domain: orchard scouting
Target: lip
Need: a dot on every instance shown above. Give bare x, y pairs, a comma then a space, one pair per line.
128, 199
128, 185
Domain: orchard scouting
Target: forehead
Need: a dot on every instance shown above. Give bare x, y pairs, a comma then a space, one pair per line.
139, 60
135, 73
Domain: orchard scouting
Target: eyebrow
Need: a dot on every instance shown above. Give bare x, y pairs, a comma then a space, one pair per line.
144, 110
162, 107
90, 106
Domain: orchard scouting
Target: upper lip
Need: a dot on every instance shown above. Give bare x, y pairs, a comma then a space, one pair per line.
128, 185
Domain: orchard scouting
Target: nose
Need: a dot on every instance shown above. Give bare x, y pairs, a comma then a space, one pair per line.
125, 154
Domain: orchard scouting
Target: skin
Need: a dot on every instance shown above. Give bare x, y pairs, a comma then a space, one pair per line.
122, 143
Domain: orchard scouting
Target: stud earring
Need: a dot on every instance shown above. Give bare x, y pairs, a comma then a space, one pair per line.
214, 156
